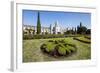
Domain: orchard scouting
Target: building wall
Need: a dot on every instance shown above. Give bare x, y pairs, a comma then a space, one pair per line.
53, 29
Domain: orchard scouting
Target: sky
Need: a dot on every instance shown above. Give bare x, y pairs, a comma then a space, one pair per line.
64, 19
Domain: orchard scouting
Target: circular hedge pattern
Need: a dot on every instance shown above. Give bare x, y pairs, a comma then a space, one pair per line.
58, 48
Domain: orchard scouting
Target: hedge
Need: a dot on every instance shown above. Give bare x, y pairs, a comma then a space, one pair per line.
43, 36
88, 37
58, 48
83, 40
46, 36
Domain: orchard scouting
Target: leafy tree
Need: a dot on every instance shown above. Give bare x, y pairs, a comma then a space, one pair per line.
29, 31
50, 28
81, 29
75, 31
80, 24
78, 29
88, 31
72, 31
68, 32
38, 24
46, 32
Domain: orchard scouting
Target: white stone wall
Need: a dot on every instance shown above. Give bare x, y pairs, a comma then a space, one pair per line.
55, 29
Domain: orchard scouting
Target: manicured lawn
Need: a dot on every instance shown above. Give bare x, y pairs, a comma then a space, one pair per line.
33, 53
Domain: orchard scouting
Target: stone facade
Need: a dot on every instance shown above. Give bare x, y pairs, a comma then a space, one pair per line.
52, 29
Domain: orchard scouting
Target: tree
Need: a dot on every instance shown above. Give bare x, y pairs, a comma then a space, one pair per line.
68, 32
50, 28
88, 31
72, 31
28, 30
38, 24
80, 24
81, 29
78, 29
75, 31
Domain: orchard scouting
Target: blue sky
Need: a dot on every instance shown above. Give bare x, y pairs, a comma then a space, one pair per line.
65, 19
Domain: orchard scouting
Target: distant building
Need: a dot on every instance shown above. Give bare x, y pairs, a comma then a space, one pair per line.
56, 29
29, 29
52, 29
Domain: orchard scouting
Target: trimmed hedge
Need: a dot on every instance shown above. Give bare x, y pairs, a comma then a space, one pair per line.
88, 37
58, 48
83, 40
62, 50
46, 36
43, 36
50, 47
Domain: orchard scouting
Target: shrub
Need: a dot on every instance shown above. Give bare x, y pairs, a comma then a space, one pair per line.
62, 51
50, 47
61, 45
57, 48
72, 45
72, 49
68, 51
50, 41
25, 37
44, 46
62, 41
81, 39
39, 36
88, 37
56, 42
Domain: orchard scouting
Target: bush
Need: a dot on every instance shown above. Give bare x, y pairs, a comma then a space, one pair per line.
62, 41
50, 41
72, 49
68, 51
58, 48
81, 39
88, 37
37, 36
56, 42
46, 36
25, 37
50, 47
43, 46
62, 51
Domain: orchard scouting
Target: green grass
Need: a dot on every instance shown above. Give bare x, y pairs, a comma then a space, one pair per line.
32, 51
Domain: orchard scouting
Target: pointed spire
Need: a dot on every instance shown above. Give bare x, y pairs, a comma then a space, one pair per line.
56, 23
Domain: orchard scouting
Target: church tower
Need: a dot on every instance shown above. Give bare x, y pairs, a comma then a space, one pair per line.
57, 28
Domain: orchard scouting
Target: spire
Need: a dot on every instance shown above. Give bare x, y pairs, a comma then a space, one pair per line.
56, 23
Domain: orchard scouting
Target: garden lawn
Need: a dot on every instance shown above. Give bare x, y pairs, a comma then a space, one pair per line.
33, 53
